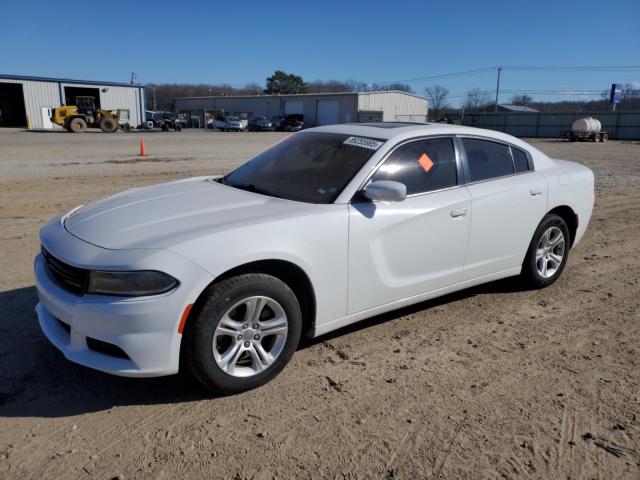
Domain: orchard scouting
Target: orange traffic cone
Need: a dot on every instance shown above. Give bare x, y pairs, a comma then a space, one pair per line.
143, 150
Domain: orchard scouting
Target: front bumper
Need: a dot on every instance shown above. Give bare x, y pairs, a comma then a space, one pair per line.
144, 328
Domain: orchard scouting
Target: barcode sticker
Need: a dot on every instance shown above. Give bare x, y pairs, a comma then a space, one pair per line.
363, 142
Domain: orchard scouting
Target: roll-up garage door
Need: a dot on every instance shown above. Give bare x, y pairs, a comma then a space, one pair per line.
292, 107
328, 112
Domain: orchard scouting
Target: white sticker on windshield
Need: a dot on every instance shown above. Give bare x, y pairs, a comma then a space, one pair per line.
363, 142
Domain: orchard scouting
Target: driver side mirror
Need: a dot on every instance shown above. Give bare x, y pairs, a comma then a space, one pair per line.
386, 191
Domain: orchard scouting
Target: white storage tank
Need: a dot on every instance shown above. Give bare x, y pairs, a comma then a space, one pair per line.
586, 125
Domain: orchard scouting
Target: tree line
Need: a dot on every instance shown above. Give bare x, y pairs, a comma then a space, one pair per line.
161, 96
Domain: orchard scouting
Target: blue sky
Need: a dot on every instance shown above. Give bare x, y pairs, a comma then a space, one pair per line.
245, 41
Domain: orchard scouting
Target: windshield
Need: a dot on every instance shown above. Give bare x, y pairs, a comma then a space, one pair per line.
308, 167
232, 119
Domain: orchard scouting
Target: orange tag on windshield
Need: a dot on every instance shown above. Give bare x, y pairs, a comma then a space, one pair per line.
425, 162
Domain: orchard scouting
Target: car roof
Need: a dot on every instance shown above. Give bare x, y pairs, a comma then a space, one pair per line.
388, 130
402, 131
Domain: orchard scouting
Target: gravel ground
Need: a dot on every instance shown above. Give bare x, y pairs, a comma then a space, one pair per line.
492, 382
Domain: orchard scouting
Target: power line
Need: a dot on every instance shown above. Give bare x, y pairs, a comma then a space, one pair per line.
533, 92
549, 68
607, 68
443, 76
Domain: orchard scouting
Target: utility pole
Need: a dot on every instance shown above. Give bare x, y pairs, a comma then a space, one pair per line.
497, 89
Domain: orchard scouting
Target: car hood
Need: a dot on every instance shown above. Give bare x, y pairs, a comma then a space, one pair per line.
161, 216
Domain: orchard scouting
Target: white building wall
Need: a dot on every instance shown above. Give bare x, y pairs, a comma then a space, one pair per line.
395, 106
270, 105
38, 94
115, 98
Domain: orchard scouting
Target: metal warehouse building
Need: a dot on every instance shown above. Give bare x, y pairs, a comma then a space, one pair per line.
316, 108
27, 101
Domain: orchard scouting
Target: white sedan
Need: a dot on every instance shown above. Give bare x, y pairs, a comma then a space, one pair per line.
220, 276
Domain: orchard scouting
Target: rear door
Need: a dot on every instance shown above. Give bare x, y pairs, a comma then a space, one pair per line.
508, 200
399, 250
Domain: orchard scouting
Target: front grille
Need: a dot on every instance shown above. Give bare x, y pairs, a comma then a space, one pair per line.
72, 279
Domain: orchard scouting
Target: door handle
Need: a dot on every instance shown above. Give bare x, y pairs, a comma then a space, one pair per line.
535, 191
458, 212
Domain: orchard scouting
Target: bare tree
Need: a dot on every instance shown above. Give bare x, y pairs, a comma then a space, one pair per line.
523, 100
359, 86
476, 99
437, 96
403, 87
328, 86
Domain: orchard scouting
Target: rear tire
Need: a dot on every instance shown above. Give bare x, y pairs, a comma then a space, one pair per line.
548, 252
224, 344
108, 125
77, 125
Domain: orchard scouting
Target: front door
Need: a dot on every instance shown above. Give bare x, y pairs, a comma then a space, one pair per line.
403, 249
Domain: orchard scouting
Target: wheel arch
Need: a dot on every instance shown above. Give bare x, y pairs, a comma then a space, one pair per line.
288, 272
569, 216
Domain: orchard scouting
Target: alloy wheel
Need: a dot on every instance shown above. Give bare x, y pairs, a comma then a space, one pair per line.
550, 252
250, 336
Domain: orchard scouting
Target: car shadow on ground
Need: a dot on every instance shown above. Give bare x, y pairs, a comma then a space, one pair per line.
37, 381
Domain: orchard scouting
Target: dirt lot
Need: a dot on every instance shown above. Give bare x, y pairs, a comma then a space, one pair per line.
489, 383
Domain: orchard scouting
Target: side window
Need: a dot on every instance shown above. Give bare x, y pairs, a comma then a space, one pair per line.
422, 165
487, 159
520, 160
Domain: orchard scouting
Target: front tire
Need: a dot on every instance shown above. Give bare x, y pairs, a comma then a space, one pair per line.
548, 252
245, 333
108, 125
77, 125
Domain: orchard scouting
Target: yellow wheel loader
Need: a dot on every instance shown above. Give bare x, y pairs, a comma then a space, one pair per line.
76, 118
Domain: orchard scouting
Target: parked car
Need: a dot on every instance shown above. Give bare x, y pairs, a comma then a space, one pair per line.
220, 276
170, 122
288, 123
260, 123
229, 123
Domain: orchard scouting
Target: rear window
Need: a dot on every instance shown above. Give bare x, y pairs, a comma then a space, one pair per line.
520, 160
487, 159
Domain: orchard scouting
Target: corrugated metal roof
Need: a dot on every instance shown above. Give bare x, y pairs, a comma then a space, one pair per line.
516, 108
68, 80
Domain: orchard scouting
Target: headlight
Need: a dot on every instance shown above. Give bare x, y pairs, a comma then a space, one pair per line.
130, 284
